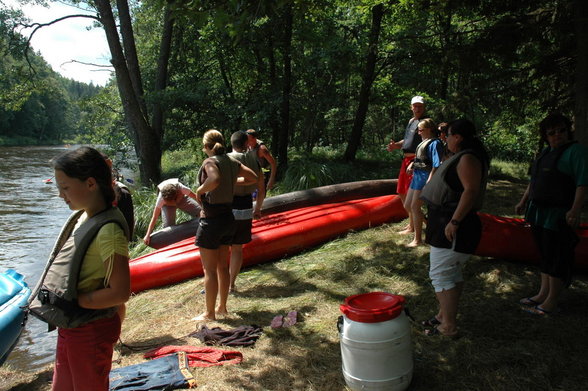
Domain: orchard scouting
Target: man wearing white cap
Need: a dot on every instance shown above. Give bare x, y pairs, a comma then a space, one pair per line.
408, 145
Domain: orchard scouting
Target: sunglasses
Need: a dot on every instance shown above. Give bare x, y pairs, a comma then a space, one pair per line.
553, 132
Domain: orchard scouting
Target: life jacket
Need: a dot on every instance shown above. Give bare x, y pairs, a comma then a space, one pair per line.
412, 138
54, 299
263, 162
439, 192
549, 186
422, 160
249, 159
218, 201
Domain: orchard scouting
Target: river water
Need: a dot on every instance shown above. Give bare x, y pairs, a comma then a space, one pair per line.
31, 216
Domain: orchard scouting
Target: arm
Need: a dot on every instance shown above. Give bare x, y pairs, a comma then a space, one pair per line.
210, 183
573, 215
393, 145
265, 153
260, 195
520, 207
469, 171
154, 217
246, 176
431, 173
118, 290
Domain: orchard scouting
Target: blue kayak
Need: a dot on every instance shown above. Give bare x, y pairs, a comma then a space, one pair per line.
14, 294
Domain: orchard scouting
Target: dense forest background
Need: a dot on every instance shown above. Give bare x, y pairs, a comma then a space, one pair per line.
309, 74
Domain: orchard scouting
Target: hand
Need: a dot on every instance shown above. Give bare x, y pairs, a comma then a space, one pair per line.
450, 231
392, 146
257, 214
147, 238
270, 184
520, 207
199, 195
573, 218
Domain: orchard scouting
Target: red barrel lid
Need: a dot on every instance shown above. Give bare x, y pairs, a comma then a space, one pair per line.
372, 307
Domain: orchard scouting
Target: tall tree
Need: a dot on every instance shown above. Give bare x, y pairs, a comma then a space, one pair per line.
128, 80
366, 85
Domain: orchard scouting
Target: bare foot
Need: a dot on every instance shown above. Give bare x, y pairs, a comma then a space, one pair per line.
222, 312
406, 231
203, 316
414, 243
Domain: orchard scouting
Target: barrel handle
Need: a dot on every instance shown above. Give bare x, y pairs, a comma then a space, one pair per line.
408, 315
339, 323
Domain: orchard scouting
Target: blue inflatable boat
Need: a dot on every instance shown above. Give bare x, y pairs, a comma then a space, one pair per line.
14, 294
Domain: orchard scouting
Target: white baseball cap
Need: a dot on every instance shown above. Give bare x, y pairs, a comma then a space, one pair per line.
417, 99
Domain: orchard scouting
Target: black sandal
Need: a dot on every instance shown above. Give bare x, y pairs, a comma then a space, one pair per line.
431, 322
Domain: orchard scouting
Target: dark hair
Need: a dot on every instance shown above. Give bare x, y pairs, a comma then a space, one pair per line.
239, 140
169, 192
84, 163
554, 120
467, 130
443, 127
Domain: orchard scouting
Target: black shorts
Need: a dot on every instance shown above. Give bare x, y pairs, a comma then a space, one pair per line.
242, 231
215, 232
557, 251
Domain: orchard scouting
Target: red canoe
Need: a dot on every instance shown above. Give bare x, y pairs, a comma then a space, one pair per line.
273, 237
511, 239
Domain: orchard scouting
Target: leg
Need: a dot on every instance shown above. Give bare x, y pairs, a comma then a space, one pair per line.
209, 259
168, 215
417, 217
190, 206
448, 304
89, 349
447, 279
406, 199
224, 279
62, 379
556, 286
543, 290
236, 263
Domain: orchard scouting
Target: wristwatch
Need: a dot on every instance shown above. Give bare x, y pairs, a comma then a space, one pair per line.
455, 222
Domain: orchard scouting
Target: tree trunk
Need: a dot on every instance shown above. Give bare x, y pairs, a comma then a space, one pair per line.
130, 52
149, 148
581, 85
366, 84
286, 90
274, 121
162, 71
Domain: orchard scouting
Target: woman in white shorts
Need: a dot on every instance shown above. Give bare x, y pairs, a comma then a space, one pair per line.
453, 196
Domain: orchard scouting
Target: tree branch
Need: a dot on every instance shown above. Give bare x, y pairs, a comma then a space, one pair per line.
37, 26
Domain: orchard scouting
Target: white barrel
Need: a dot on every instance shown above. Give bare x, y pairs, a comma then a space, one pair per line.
376, 348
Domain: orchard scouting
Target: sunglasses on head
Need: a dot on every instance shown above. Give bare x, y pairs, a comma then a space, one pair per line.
553, 132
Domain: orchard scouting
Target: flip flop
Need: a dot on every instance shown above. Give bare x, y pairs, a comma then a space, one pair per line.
536, 310
291, 319
277, 321
431, 322
435, 332
528, 302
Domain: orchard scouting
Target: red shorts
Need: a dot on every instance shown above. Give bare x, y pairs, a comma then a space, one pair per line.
84, 355
403, 178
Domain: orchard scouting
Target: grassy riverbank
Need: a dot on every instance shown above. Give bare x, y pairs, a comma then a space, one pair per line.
500, 348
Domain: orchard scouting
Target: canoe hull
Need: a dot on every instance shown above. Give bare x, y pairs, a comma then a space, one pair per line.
511, 239
273, 237
283, 202
14, 294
